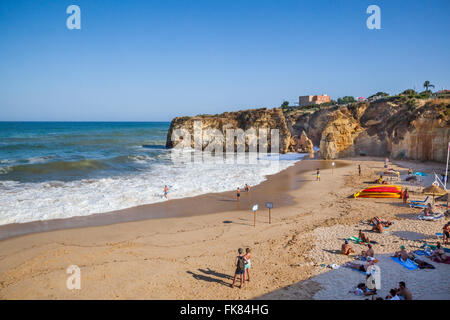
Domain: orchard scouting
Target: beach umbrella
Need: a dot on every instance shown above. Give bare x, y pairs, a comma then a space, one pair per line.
434, 190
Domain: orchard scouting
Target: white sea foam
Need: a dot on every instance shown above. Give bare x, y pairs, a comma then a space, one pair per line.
24, 202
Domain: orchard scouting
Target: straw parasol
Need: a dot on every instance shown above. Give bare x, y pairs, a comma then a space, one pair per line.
434, 190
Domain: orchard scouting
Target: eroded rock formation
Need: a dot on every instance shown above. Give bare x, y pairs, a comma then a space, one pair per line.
395, 127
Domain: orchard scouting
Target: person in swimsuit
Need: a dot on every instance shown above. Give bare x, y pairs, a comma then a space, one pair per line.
247, 256
238, 194
446, 232
378, 227
318, 175
438, 254
405, 195
369, 252
247, 188
346, 248
403, 292
363, 237
166, 191
402, 254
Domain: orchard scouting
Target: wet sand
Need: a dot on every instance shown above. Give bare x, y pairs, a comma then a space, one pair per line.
275, 189
191, 257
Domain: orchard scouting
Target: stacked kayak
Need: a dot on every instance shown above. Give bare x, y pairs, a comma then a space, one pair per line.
380, 191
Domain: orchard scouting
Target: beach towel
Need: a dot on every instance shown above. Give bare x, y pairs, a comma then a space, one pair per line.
422, 253
431, 218
359, 241
410, 265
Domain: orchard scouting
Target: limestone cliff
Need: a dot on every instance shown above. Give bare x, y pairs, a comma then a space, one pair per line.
397, 127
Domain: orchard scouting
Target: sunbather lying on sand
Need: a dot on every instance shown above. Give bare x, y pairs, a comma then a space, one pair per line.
385, 223
402, 254
422, 264
346, 248
361, 267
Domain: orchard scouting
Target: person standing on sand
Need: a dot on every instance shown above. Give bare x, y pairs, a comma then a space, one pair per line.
247, 256
359, 169
405, 195
238, 194
240, 268
318, 175
166, 191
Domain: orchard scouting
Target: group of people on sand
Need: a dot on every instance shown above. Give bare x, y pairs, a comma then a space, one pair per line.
400, 293
238, 191
243, 265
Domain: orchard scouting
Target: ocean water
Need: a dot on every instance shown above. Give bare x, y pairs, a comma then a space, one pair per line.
51, 170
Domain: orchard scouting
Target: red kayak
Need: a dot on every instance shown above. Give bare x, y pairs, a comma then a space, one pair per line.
382, 189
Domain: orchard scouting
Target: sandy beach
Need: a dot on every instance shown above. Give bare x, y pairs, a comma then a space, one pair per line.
188, 250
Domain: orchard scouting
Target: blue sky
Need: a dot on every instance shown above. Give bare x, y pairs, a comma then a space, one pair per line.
154, 60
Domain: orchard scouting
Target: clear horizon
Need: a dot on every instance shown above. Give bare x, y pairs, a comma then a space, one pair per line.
156, 60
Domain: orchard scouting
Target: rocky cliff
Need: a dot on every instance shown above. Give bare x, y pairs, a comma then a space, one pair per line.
397, 127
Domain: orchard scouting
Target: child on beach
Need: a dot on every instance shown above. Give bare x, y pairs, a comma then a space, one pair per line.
240, 268
318, 175
247, 188
238, 194
166, 191
247, 256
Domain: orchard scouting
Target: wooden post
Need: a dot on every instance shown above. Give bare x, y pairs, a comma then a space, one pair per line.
269, 217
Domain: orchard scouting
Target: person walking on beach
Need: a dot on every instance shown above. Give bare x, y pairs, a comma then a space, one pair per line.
166, 191
238, 194
359, 169
405, 195
247, 256
318, 175
240, 268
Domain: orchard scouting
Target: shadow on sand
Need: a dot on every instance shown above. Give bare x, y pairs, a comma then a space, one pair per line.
208, 277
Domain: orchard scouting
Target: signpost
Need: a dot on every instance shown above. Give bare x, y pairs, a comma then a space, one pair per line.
269, 205
255, 208
332, 167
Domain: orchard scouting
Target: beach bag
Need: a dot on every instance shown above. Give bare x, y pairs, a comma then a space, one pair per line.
241, 263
